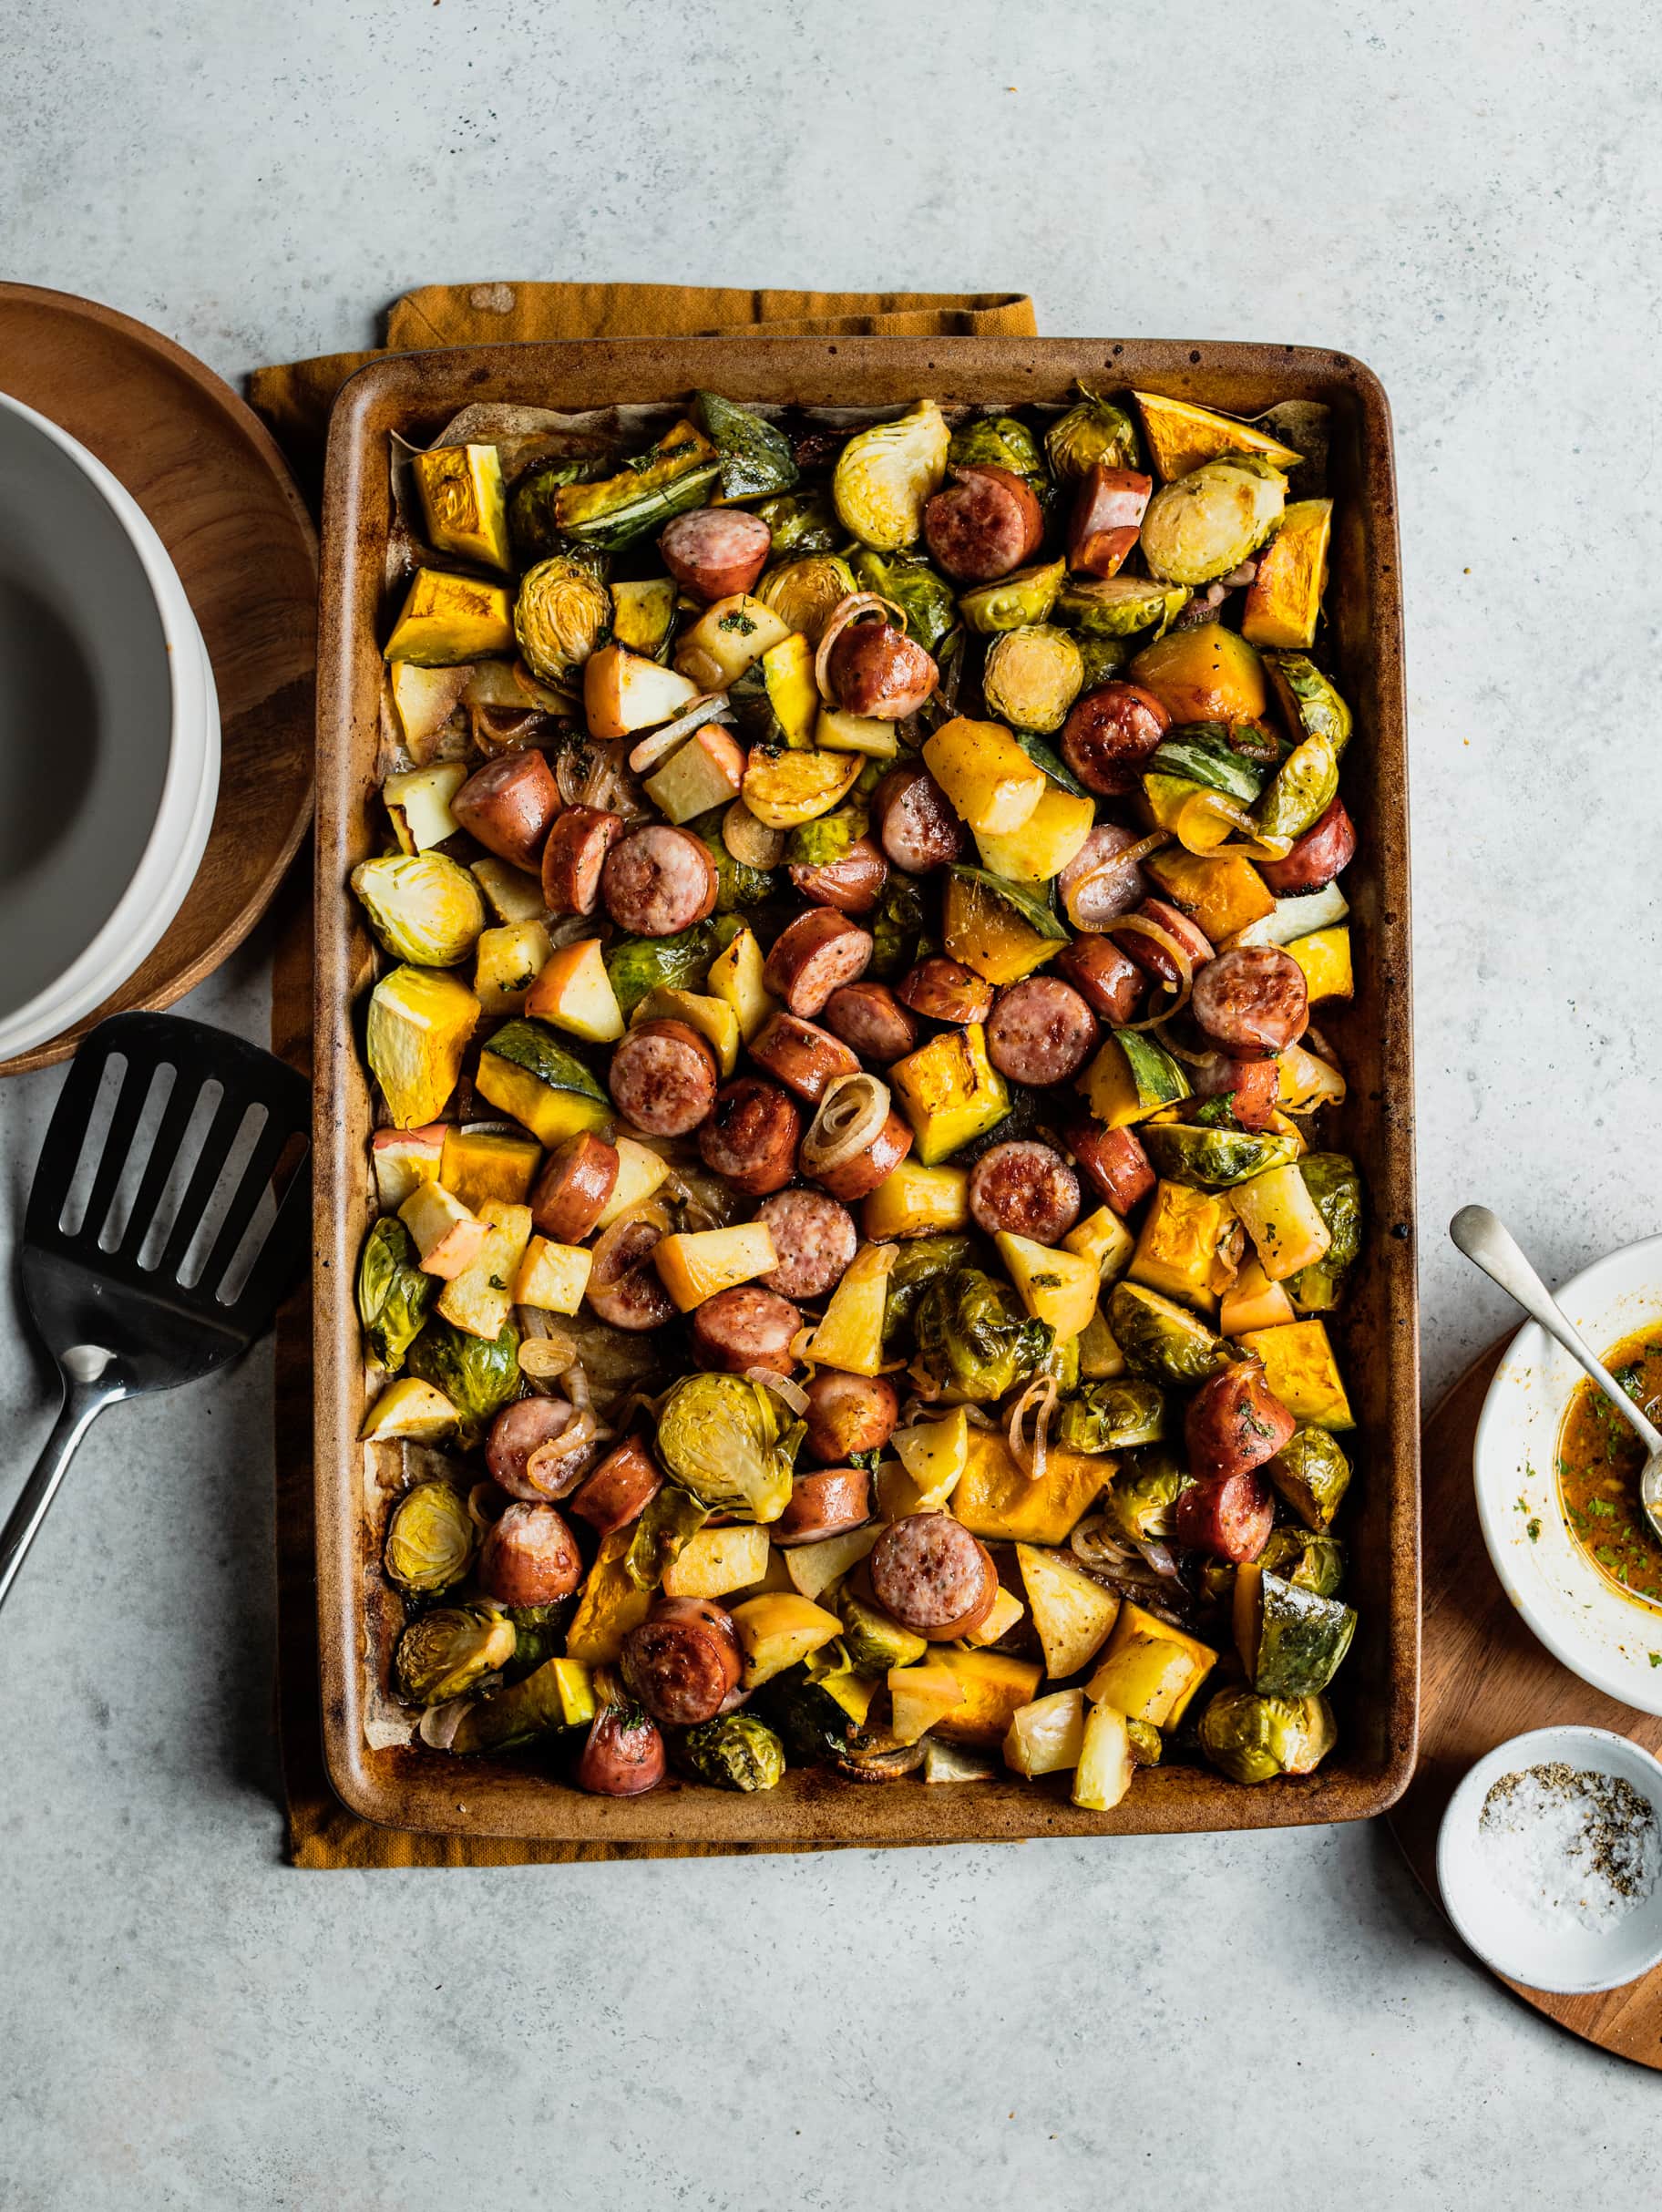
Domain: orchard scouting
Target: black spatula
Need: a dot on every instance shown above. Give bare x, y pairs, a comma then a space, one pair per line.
121, 1309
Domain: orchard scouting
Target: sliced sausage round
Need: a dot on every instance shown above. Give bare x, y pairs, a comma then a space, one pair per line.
517, 1453
1096, 891
658, 880
853, 1174
507, 805
1025, 1188
871, 1021
529, 1557
1115, 1162
827, 1503
751, 1137
914, 820
1112, 735
684, 1661
1107, 519
1253, 1087
849, 1414
944, 990
715, 551
570, 1194
815, 1237
814, 956
853, 883
662, 1078
1151, 955
623, 1284
573, 857
1109, 983
1328, 846
933, 1576
876, 670
619, 1490
1253, 1002
623, 1755
1041, 1031
746, 1327
805, 1059
1230, 1517
1235, 1422
983, 524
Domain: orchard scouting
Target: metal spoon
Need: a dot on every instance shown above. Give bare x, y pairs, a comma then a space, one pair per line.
1488, 1243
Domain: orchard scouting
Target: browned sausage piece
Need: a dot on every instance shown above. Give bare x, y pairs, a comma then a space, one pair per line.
1230, 1517
853, 883
529, 1557
570, 1194
574, 856
620, 1490
623, 1755
985, 523
662, 1077
1094, 891
933, 1576
944, 990
658, 880
815, 1238
849, 1414
508, 805
1109, 983
855, 1141
814, 956
751, 1137
826, 1503
1026, 1189
1235, 1422
871, 1020
1253, 1001
1253, 1086
1115, 1162
683, 1661
1111, 736
877, 671
744, 1328
623, 1284
1328, 846
1108, 510
1041, 1031
914, 820
715, 551
807, 1060
1151, 956
517, 1450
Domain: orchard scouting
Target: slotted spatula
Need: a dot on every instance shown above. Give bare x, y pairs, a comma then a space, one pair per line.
118, 1328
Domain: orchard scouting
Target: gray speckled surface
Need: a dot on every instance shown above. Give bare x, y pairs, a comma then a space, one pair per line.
1465, 197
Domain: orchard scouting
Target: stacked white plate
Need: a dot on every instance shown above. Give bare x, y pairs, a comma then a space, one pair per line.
109, 733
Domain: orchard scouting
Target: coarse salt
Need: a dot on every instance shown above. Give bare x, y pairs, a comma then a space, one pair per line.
1570, 1842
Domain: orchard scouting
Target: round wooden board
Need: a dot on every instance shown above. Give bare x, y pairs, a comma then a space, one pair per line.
212, 481
1484, 1678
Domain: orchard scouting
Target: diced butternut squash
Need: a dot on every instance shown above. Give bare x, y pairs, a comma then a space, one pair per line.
1071, 1612
402, 1158
1106, 1767
913, 1200
1284, 599
1103, 1238
813, 1568
717, 1562
610, 1606
735, 978
624, 692
1178, 1245
1047, 1737
1300, 1369
1253, 1301
480, 1164
409, 1411
574, 992
699, 1262
988, 779
850, 1336
995, 1687
1282, 1219
1222, 891
1151, 1670
480, 1298
949, 1091
1041, 847
419, 803
995, 1498
934, 1454
1007, 1609
1055, 1286
639, 1172
1207, 673
449, 1237
1182, 436
712, 1017
552, 1277
446, 619
1325, 957
919, 1697
778, 1631
506, 962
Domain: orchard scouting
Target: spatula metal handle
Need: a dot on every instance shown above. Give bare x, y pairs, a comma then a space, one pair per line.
82, 1402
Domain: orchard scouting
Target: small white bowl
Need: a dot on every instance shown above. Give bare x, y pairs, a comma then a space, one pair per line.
109, 733
1612, 1641
1562, 1957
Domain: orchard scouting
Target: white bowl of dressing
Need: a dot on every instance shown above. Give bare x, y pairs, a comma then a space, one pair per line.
1609, 1639
109, 733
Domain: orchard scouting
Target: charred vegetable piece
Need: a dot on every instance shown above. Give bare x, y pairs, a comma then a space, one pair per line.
920, 1261
555, 1695
477, 1375
394, 1292
737, 1752
1115, 607
1112, 1417
682, 471
532, 529
998, 441
974, 1341
808, 590
1214, 1159
1306, 1559
1159, 1338
1291, 1641
1253, 1738
802, 522
755, 459
446, 1652
1312, 1474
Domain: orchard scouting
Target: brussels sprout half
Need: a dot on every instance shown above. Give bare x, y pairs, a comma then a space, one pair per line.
736, 1753
807, 592
1211, 1158
884, 476
479, 1375
449, 1651
1143, 1498
1161, 1339
394, 1295
924, 598
430, 1539
1252, 1738
1092, 430
531, 526
1212, 519
974, 1341
1033, 676
562, 614
1112, 1417
425, 908
719, 1437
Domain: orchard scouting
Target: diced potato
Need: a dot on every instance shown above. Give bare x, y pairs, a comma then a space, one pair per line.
419, 803
480, 1164
1055, 1286
1325, 957
1177, 1246
552, 1277
836, 733
1253, 1301
480, 1298
813, 1568
995, 1687
949, 1091
786, 789
704, 772
1282, 1219
712, 1018
697, 1263
989, 780
506, 962
610, 1606
420, 1021
1101, 1237
1104, 1769
735, 977
512, 895
1300, 1369
1100, 1358
411, 1411
424, 699
624, 692
1007, 1609
449, 1237
1046, 1737
446, 619
717, 1562
850, 1337
778, 1631
403, 1158
1284, 599
934, 1454
1071, 1614
574, 992
1222, 891
726, 639
639, 1172
919, 1696
995, 1498
1307, 1081
913, 1200
1150, 1671
1041, 847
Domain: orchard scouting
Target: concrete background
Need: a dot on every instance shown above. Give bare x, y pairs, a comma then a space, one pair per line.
1465, 194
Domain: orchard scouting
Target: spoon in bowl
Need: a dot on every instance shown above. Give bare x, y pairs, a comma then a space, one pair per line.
1489, 1244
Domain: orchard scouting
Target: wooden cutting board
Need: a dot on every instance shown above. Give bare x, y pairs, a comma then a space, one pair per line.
1484, 1678
208, 475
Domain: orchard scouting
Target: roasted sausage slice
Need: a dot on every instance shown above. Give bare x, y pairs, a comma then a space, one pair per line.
1111, 736
1235, 1422
619, 1490
623, 1284
933, 1576
570, 1194
828, 1503
1253, 1002
657, 881
684, 1661
805, 1059
855, 1141
914, 820
746, 1327
1115, 1162
750, 1139
814, 956
507, 805
853, 883
1230, 1517
529, 1557
1150, 955
662, 1077
715, 551
1107, 518
1252, 1087
1041, 1031
871, 1021
1025, 1188
849, 1414
1326, 847
944, 990
815, 1237
574, 856
1097, 887
520, 1450
876, 670
623, 1755
1109, 983
985, 523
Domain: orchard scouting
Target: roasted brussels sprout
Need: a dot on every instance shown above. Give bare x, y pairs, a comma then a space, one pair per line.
1112, 1417
1252, 1738
825, 841
897, 927
1116, 607
1212, 519
1032, 676
1302, 789
477, 1375
1312, 1474
430, 1539
998, 441
1142, 1500
1026, 595
663, 1532
720, 1437
807, 592
802, 522
393, 1294
446, 1652
531, 528
425, 908
884, 476
538, 1635
873, 1641
923, 597
1211, 1158
919, 1263
974, 1341
736, 1752
636, 965
1093, 429
1332, 1181
1306, 1559
553, 1695
1060, 1362
1159, 1338
564, 613
1101, 658
1309, 703
754, 457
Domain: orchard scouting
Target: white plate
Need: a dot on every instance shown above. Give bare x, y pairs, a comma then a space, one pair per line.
1611, 1641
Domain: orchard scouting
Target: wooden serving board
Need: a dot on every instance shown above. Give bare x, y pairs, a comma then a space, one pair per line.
209, 478
1484, 1678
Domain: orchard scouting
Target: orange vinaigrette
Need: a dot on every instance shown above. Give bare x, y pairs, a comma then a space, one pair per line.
1599, 1463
